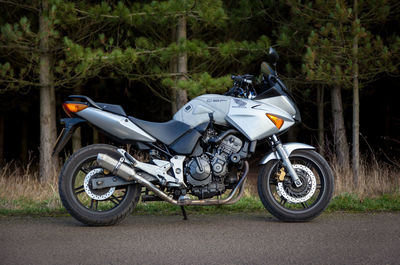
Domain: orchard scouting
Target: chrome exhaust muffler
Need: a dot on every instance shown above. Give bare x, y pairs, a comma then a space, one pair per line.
128, 173
123, 170
117, 168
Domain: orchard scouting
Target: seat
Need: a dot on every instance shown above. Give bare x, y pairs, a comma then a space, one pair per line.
166, 132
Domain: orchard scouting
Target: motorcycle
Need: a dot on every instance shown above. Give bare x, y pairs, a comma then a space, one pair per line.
196, 157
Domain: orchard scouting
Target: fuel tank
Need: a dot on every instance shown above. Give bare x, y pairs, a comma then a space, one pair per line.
245, 115
196, 111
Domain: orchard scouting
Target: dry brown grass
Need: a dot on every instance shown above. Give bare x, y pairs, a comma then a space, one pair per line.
376, 178
19, 185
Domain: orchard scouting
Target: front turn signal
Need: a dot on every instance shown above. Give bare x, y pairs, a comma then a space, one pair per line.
277, 121
70, 108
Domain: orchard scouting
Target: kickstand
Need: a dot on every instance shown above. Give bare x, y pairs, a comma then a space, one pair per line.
184, 213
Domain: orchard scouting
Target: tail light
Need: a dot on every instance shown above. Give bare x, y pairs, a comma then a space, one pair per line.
70, 108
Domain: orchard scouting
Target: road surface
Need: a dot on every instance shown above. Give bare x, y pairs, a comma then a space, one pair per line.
338, 238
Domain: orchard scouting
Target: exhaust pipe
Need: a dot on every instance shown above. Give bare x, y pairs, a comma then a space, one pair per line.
117, 167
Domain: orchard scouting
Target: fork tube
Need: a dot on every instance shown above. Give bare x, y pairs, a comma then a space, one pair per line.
285, 159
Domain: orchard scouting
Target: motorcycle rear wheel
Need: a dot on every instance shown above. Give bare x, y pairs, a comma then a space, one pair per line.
94, 207
296, 204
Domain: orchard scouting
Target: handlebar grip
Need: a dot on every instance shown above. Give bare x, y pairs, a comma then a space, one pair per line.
237, 78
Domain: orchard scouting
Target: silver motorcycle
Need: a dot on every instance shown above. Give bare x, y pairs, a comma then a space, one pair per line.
196, 157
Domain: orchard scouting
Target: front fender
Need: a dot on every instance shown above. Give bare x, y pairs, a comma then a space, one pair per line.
289, 148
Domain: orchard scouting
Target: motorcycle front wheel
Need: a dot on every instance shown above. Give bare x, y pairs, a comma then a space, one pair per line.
289, 203
94, 207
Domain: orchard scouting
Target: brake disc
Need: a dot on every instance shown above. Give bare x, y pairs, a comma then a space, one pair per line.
303, 193
99, 195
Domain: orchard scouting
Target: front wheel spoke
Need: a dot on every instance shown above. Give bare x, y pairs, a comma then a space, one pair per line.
79, 189
305, 205
319, 186
308, 164
283, 201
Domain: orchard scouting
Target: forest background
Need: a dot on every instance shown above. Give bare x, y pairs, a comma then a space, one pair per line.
340, 59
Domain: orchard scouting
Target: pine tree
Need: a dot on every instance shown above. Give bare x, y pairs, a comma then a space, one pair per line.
138, 45
29, 43
57, 44
344, 53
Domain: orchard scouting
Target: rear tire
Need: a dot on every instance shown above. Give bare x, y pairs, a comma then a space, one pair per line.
114, 205
293, 204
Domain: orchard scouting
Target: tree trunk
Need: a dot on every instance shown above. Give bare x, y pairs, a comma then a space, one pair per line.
292, 134
76, 137
96, 136
339, 131
356, 108
76, 140
1, 137
24, 134
48, 165
181, 95
173, 69
321, 129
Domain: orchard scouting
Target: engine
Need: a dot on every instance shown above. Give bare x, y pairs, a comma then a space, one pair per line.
229, 146
206, 173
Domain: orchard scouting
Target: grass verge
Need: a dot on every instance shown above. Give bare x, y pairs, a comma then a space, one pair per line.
248, 204
353, 203
378, 190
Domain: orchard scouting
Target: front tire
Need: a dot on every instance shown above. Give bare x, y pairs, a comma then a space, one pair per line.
94, 207
290, 203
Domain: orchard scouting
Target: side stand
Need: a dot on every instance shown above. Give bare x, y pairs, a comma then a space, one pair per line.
184, 213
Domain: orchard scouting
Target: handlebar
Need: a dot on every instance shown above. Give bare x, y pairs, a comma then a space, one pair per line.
242, 78
242, 86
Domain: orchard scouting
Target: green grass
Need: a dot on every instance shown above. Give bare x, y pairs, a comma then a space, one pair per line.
245, 205
23, 206
352, 203
248, 204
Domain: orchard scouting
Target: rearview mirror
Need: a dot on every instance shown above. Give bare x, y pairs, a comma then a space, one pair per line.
273, 56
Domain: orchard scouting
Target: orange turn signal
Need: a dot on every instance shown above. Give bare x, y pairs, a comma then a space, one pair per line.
70, 108
277, 121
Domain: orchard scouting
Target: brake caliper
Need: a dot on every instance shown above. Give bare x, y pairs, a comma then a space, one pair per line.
281, 174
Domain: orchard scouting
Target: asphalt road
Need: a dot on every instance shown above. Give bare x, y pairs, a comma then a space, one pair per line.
209, 239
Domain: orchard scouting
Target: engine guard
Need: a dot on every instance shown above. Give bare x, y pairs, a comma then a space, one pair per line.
289, 148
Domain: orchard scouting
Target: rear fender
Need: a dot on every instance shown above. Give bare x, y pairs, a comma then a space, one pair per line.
70, 125
289, 148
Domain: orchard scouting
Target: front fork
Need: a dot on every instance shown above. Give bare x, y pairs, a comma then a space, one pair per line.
277, 145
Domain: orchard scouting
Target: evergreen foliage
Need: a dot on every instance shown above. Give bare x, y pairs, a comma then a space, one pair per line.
329, 57
136, 41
